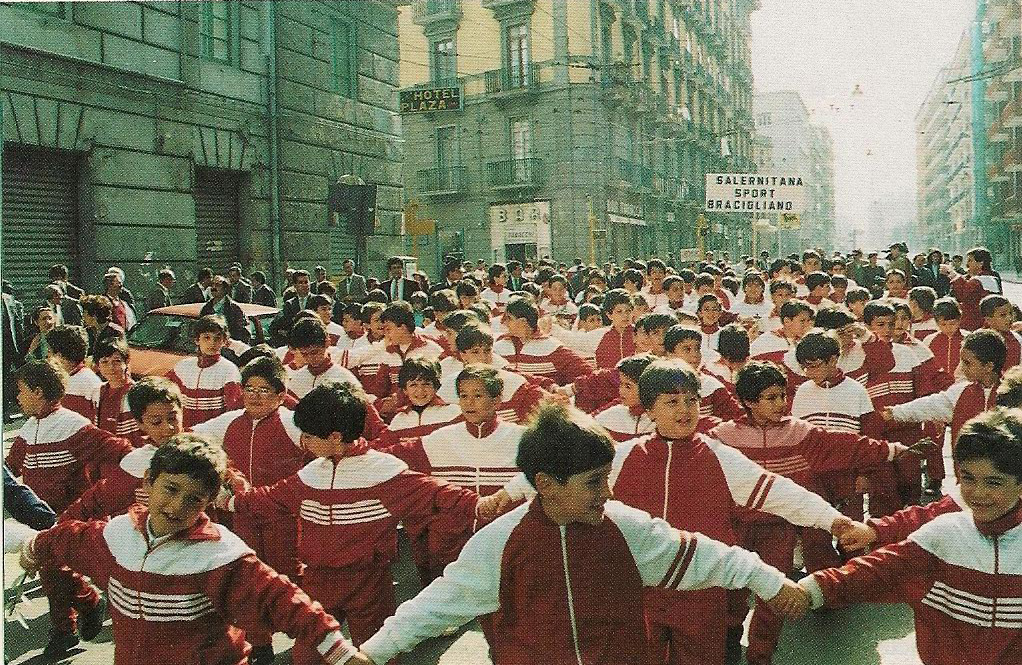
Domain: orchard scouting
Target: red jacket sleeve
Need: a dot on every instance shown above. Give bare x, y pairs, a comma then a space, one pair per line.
269, 500
596, 390
897, 573
879, 356
897, 527
95, 446
232, 396
374, 425
725, 406
16, 456
411, 453
569, 365
77, 545
112, 495
415, 495
249, 586
827, 450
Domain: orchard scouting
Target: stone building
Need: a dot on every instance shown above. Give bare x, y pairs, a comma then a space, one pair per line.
188, 134
575, 123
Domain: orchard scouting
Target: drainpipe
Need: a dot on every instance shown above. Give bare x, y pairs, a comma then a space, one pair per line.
276, 261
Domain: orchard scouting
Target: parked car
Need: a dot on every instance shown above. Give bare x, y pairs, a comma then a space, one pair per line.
164, 336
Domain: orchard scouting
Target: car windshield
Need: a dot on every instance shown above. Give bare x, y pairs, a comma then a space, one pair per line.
164, 332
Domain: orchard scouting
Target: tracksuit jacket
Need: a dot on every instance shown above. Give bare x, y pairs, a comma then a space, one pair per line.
172, 599
568, 594
116, 492
956, 405
963, 580
209, 387
82, 383
542, 356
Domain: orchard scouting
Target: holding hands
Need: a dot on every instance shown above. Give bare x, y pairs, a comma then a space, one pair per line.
791, 602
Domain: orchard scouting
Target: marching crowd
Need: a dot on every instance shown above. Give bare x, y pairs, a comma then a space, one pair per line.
602, 464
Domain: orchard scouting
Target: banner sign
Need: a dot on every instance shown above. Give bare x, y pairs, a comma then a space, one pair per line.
755, 192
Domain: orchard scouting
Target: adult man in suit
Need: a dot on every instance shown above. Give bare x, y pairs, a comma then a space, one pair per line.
515, 280
65, 310
262, 294
58, 275
398, 287
302, 288
122, 292
199, 291
160, 296
240, 288
452, 275
223, 305
351, 287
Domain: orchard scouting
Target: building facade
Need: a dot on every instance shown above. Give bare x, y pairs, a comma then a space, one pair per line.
799, 148
996, 77
189, 134
944, 158
582, 128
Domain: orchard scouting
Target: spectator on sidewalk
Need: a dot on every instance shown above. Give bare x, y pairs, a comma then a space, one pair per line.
160, 296
199, 291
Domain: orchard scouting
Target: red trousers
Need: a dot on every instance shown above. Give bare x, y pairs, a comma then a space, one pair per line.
364, 596
688, 627
275, 542
774, 541
68, 594
935, 454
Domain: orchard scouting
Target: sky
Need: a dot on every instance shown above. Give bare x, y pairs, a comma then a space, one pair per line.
892, 50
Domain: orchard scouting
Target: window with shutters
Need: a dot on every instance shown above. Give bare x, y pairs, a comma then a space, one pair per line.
345, 61
444, 63
219, 26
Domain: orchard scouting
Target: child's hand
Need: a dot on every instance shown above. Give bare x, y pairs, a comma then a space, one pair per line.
791, 602
28, 562
223, 498
360, 659
887, 413
236, 481
491, 507
857, 537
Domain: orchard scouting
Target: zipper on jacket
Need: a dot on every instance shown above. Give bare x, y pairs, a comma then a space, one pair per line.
251, 452
997, 570
667, 476
141, 576
571, 599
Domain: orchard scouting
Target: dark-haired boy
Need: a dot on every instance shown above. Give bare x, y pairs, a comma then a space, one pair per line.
68, 345
921, 299
515, 568
52, 453
110, 402
530, 352
999, 315
419, 381
796, 318
697, 483
733, 347
618, 340
626, 419
960, 572
685, 343
557, 303
348, 502
210, 384
946, 344
818, 284
350, 318
175, 579
308, 338
797, 449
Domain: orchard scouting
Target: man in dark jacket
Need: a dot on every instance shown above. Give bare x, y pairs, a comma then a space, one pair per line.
199, 291
262, 294
221, 304
241, 288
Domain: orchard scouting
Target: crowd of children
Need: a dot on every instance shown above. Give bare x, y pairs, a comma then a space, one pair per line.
598, 466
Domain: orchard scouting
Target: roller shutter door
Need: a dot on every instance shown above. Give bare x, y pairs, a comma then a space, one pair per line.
216, 219
40, 217
342, 246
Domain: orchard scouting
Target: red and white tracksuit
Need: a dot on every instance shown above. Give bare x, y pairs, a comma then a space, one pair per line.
113, 414
377, 367
615, 345
924, 328
625, 422
715, 400
946, 350
115, 493
348, 510
542, 356
969, 290
963, 580
210, 386
955, 405
173, 599
700, 484
82, 384
51, 453
801, 451
588, 581
518, 400
770, 346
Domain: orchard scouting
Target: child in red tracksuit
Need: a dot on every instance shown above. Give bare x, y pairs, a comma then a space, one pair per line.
51, 453
68, 345
626, 419
418, 379
474, 344
262, 444
962, 572
982, 355
156, 403
698, 483
110, 400
563, 576
529, 352
618, 340
348, 502
309, 339
685, 343
795, 449
946, 345
174, 579
999, 315
209, 383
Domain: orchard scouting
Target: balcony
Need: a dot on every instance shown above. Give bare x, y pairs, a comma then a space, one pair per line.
512, 82
627, 171
1012, 162
524, 173
442, 181
428, 12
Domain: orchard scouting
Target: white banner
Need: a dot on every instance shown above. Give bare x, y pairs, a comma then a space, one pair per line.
755, 192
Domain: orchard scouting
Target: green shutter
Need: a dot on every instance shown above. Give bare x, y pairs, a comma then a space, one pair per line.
218, 27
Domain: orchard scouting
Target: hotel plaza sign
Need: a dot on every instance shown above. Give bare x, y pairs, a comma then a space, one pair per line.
424, 100
755, 192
